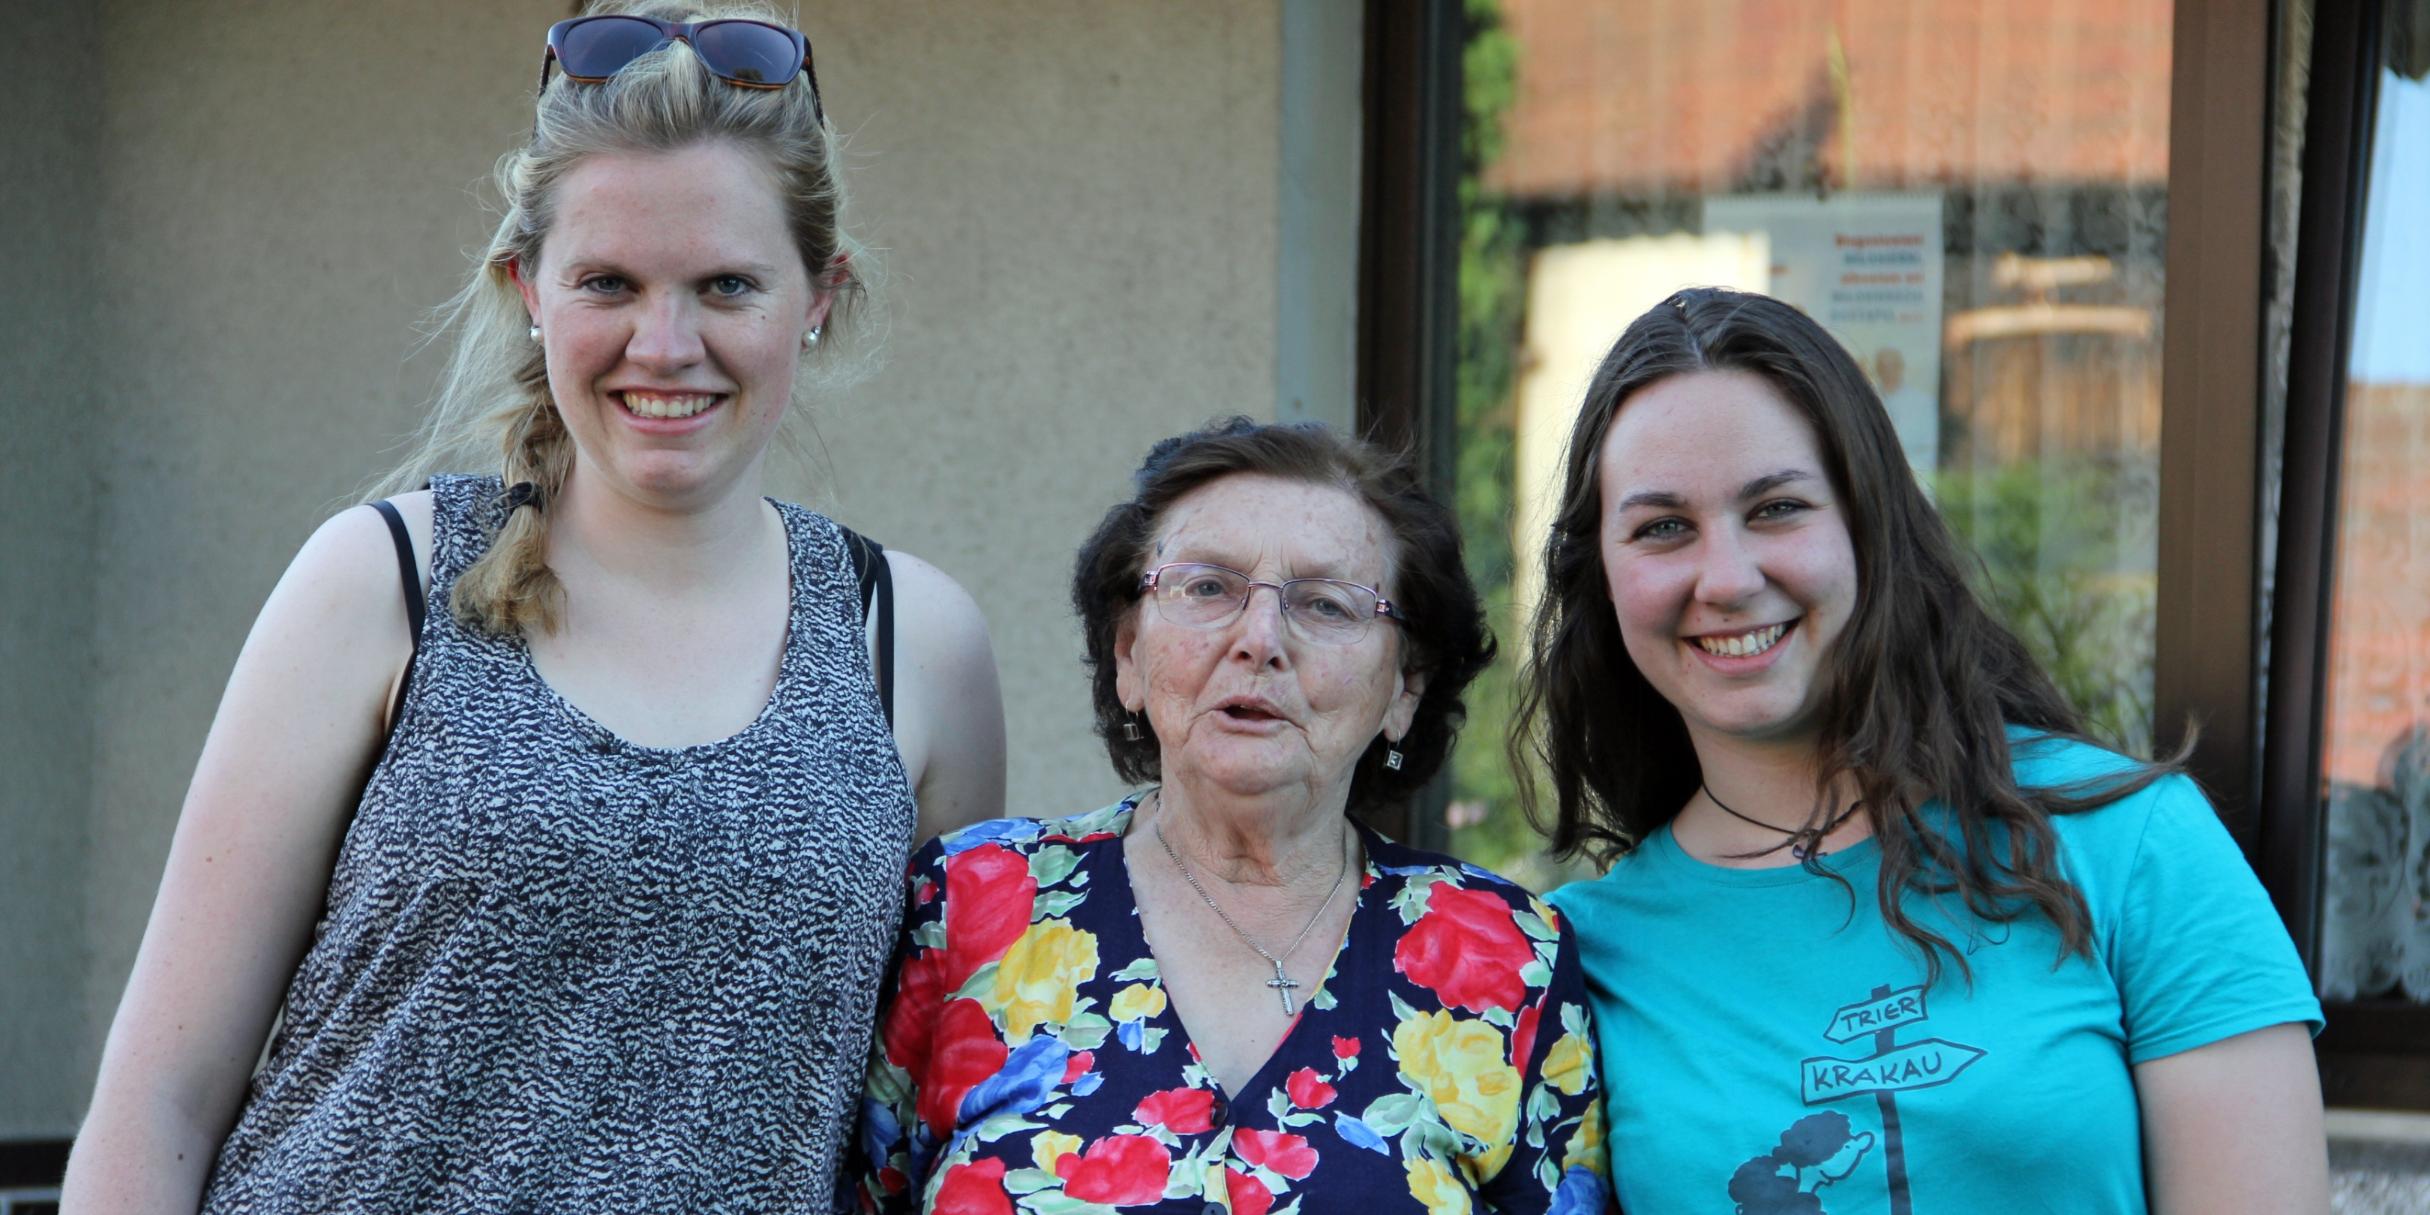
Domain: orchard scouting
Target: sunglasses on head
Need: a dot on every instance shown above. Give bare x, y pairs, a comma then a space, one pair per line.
750, 54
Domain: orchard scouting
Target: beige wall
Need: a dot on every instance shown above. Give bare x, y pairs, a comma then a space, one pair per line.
239, 222
48, 404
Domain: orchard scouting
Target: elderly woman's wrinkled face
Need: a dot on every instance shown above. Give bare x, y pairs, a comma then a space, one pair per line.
1255, 706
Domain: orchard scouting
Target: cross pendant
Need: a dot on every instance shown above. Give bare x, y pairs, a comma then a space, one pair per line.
1282, 985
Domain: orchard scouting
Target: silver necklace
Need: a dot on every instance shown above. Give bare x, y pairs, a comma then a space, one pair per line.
1282, 982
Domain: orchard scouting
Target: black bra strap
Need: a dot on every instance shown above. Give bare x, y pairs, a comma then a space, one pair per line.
877, 584
409, 573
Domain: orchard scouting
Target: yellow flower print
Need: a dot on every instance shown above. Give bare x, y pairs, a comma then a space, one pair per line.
1039, 975
1137, 1002
1586, 1147
1459, 1064
1565, 1065
1051, 1146
1432, 1184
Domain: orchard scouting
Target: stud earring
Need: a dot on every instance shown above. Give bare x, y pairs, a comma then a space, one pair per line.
810, 339
533, 333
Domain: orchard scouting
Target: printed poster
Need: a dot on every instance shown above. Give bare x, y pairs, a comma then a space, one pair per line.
1868, 266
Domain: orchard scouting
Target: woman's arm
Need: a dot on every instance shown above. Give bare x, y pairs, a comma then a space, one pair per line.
297, 730
2235, 1126
2216, 1008
948, 713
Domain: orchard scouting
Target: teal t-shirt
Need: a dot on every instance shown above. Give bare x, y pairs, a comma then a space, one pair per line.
1768, 1044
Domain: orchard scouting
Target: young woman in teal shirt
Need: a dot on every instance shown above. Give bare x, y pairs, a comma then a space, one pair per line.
1883, 931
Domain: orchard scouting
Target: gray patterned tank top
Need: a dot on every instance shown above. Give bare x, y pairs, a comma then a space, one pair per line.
562, 972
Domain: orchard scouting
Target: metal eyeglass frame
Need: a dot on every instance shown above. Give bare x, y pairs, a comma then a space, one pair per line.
1385, 609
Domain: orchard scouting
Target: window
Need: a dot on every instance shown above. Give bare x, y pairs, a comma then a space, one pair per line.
1971, 197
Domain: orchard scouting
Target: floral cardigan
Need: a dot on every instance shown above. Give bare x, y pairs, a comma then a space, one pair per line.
1027, 1061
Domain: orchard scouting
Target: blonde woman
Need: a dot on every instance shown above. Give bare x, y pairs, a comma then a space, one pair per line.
574, 892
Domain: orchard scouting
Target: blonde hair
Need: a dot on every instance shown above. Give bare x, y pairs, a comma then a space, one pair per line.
494, 392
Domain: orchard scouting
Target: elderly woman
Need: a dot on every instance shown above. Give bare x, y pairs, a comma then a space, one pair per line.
573, 893
1225, 992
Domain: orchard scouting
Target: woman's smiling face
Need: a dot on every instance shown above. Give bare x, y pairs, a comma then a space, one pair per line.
1253, 707
1725, 552
673, 304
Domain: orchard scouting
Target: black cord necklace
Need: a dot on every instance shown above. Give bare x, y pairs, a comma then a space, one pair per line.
1796, 849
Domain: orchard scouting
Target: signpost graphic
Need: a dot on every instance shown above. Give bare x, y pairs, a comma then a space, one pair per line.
1891, 1069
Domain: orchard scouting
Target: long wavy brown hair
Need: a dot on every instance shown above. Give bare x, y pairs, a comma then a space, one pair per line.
1917, 692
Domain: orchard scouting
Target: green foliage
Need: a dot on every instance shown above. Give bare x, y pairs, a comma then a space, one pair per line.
2068, 555
1489, 829
1492, 283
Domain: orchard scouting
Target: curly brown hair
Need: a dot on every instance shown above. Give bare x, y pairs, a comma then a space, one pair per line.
1443, 620
1917, 692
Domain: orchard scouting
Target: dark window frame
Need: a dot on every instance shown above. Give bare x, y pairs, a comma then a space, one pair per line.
2373, 1052
2258, 756
1408, 265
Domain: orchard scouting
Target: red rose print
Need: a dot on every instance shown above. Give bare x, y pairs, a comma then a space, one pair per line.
1183, 1111
1078, 1065
1523, 1038
988, 899
1309, 1090
1249, 1195
967, 1051
912, 1018
1345, 1048
1281, 1151
976, 1188
1466, 949
1118, 1169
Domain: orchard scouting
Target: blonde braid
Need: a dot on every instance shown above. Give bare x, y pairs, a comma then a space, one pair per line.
511, 589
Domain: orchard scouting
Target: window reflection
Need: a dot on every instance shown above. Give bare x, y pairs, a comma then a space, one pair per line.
2375, 935
1970, 196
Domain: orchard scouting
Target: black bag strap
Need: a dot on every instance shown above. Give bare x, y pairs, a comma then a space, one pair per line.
877, 584
409, 573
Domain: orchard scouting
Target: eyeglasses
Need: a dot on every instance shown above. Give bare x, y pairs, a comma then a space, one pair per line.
1325, 610
751, 54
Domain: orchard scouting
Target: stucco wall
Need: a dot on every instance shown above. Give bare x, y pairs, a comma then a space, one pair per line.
47, 533
1077, 205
